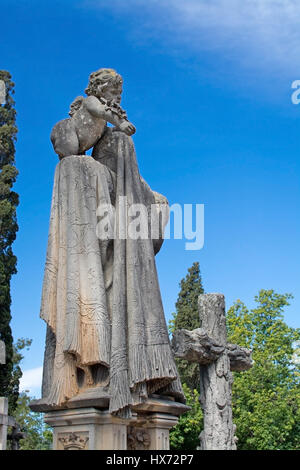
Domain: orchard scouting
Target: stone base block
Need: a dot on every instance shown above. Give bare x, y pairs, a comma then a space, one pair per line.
3, 422
95, 429
87, 429
158, 427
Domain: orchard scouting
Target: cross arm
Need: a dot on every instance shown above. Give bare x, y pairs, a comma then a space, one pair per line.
198, 346
7, 420
240, 358
195, 346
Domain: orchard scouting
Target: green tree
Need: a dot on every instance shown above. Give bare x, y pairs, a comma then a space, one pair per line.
185, 435
38, 436
266, 399
187, 317
8, 230
16, 373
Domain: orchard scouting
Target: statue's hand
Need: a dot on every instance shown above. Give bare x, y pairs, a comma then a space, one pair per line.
127, 127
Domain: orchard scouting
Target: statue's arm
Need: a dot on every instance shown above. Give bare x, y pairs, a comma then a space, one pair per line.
100, 110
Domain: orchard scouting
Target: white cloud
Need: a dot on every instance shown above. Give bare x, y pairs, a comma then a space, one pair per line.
32, 381
256, 33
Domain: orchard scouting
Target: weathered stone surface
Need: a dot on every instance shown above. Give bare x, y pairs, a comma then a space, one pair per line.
138, 438
88, 116
73, 441
160, 404
93, 429
216, 379
7, 422
84, 347
240, 358
107, 342
197, 346
208, 346
2, 352
91, 397
158, 427
2, 91
3, 422
87, 429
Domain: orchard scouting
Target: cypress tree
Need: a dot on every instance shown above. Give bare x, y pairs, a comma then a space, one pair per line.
187, 317
9, 383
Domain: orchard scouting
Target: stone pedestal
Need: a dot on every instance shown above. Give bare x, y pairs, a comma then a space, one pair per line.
158, 427
3, 422
90, 428
87, 429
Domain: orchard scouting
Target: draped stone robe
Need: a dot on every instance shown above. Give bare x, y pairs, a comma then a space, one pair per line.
101, 298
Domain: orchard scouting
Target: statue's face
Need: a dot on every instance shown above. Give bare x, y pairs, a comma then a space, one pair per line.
112, 92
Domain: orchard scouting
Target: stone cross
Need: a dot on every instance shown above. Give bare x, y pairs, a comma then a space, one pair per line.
3, 422
208, 346
6, 420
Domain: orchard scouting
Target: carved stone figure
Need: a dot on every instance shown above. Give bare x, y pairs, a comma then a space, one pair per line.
107, 340
88, 116
138, 438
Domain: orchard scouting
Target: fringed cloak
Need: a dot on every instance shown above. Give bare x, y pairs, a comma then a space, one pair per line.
101, 298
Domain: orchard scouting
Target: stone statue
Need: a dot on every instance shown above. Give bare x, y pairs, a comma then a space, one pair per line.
88, 116
107, 341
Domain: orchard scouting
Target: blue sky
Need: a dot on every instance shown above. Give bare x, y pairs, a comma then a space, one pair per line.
208, 86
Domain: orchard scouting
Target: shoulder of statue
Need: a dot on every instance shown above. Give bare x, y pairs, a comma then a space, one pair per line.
91, 99
93, 105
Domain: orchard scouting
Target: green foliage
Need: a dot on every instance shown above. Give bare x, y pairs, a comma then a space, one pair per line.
187, 317
185, 435
38, 434
16, 373
8, 229
266, 399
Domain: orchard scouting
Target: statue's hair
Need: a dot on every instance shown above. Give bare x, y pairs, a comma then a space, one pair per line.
104, 78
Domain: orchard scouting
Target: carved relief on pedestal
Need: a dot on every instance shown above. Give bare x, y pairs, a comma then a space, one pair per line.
73, 441
137, 438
